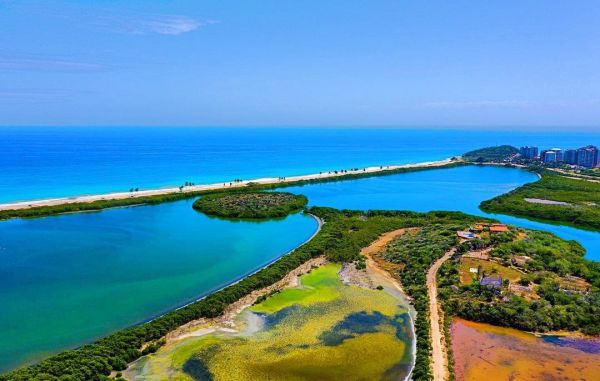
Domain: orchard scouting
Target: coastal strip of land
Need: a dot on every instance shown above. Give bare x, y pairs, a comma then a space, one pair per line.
193, 189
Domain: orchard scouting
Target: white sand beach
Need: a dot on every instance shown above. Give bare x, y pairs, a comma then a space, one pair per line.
214, 186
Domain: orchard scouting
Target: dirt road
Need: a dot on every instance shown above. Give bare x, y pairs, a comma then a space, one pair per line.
438, 342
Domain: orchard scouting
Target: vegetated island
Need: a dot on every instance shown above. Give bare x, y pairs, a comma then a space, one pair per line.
250, 205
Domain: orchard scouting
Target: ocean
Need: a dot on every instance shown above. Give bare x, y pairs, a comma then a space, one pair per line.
38, 163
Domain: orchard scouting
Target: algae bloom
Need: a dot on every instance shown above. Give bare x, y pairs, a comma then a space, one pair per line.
322, 329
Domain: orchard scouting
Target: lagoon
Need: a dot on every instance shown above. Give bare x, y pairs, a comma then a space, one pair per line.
486, 352
69, 279
459, 189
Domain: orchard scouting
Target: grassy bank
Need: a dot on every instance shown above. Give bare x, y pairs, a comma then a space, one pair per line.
581, 200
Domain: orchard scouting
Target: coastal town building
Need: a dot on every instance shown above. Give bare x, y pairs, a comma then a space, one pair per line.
552, 155
588, 157
570, 156
529, 153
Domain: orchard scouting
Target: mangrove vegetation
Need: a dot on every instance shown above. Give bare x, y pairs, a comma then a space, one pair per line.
250, 205
553, 198
496, 154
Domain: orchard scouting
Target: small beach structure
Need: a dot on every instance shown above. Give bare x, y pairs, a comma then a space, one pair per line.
491, 282
466, 235
498, 228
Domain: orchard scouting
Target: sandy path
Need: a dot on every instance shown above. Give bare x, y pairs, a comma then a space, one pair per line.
438, 342
575, 176
196, 188
377, 266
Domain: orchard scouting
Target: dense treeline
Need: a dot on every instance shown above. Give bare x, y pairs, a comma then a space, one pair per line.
556, 309
416, 252
341, 239
582, 197
342, 176
43, 211
491, 154
250, 205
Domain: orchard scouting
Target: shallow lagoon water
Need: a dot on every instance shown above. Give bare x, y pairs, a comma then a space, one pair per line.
485, 352
460, 189
322, 330
69, 279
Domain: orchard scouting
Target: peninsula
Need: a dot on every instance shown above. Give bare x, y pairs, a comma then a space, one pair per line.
144, 196
567, 191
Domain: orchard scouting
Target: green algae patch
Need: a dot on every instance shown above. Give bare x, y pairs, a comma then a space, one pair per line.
321, 285
322, 329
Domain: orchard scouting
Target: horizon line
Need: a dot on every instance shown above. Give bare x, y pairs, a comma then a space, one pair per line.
533, 128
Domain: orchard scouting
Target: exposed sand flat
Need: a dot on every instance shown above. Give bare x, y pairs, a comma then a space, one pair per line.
546, 202
196, 188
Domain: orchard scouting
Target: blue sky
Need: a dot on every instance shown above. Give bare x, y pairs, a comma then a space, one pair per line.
301, 63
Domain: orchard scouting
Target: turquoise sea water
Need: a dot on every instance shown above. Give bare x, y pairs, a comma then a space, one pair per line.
57, 162
68, 279
461, 189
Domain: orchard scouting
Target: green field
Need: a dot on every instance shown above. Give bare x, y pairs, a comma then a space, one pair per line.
322, 330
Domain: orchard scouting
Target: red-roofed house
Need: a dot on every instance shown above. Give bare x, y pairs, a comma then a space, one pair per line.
498, 228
